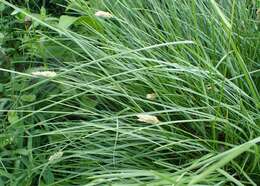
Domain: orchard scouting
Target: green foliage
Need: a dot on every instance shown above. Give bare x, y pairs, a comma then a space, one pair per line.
66, 21
200, 60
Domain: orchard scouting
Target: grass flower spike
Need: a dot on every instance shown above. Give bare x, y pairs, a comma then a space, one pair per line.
151, 96
148, 118
103, 14
48, 74
55, 156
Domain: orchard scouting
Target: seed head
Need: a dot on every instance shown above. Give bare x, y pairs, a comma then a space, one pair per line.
55, 156
103, 14
48, 74
148, 119
151, 96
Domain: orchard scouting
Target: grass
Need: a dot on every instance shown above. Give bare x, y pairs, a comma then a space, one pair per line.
200, 59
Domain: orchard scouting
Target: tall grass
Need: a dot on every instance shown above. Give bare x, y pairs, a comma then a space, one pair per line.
200, 59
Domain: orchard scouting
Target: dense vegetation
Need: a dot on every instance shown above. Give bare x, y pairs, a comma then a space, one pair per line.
129, 92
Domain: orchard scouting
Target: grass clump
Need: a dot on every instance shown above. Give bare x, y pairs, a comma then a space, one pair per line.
140, 93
